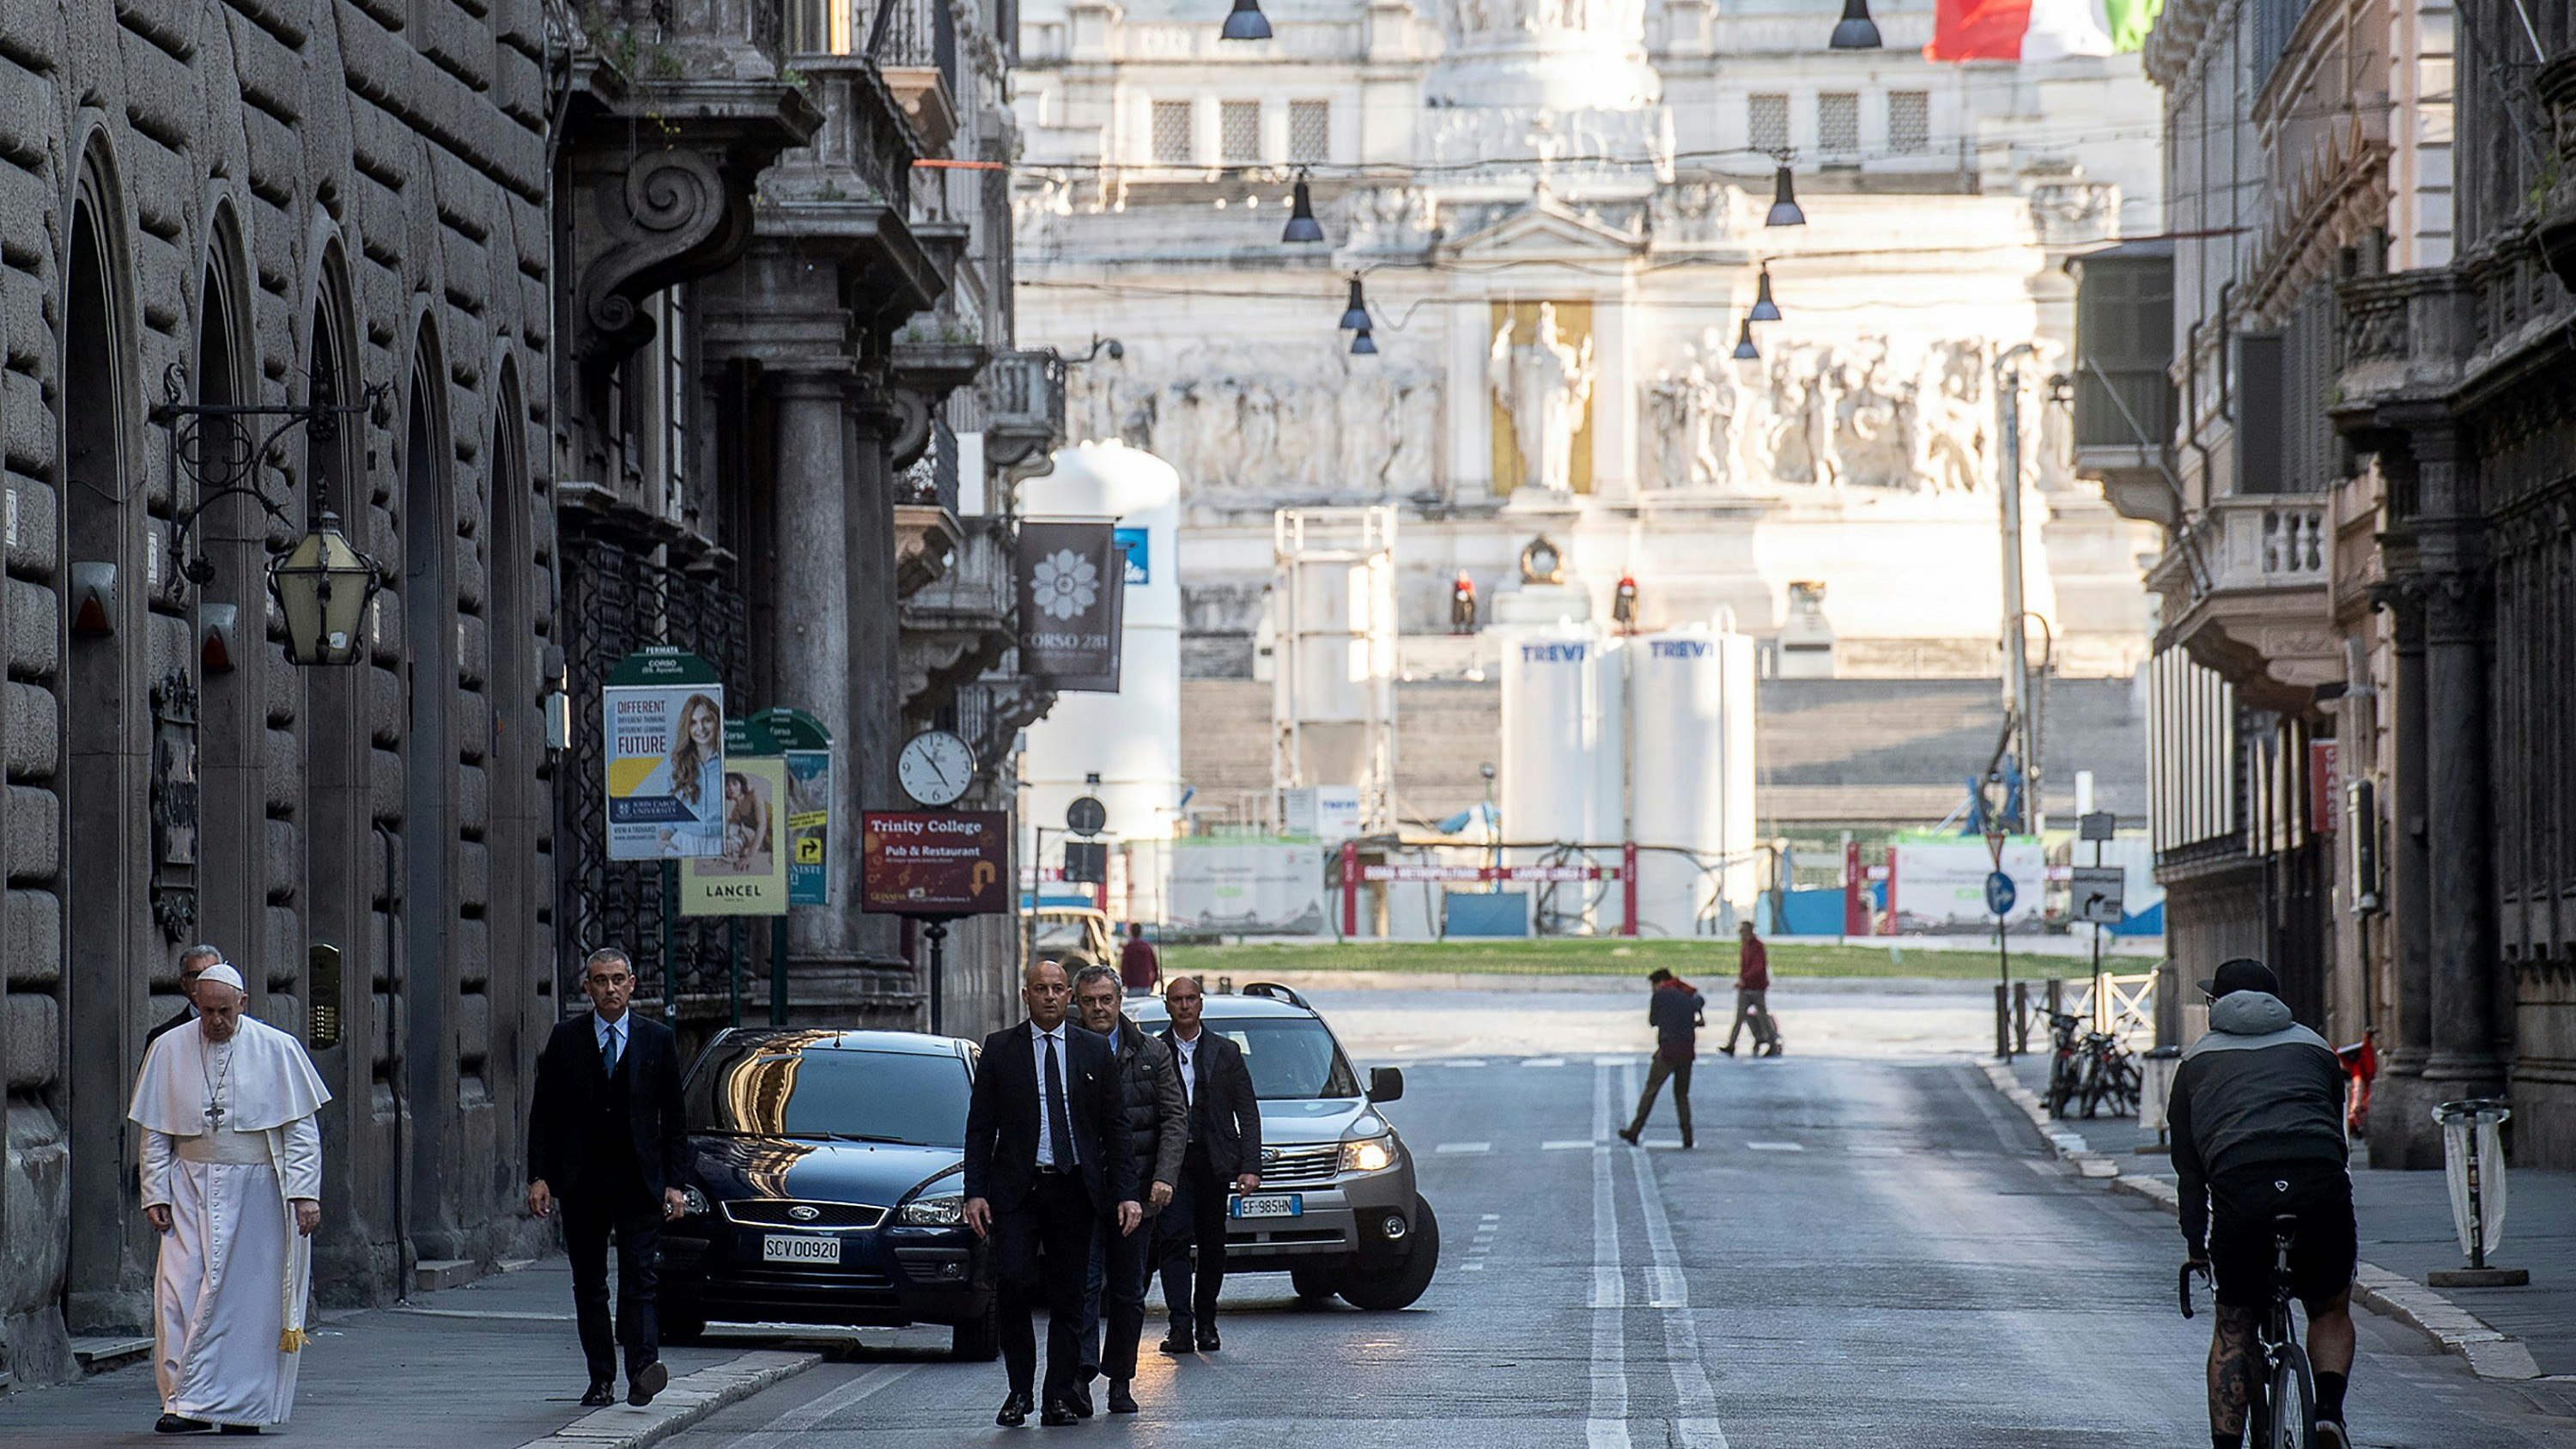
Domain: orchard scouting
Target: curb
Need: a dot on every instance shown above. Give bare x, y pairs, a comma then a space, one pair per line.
2452, 1329
684, 1403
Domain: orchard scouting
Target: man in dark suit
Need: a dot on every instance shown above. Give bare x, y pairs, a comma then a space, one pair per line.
192, 964
1224, 1153
1047, 1170
606, 1138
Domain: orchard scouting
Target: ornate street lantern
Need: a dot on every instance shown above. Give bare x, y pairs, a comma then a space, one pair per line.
323, 586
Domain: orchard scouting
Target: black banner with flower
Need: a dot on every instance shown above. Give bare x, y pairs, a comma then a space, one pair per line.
1073, 589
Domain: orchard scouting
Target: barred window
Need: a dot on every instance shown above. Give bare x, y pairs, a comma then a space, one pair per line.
1766, 123
1310, 131
1909, 122
1172, 133
1239, 133
1838, 123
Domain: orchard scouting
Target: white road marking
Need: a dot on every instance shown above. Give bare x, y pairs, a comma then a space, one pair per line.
1612, 1061
1466, 1062
1864, 1150
1692, 1393
1607, 1428
1777, 1146
1553, 1144
1464, 1147
1544, 1062
808, 1416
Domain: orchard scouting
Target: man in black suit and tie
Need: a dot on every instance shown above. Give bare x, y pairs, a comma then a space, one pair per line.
1047, 1169
606, 1139
1224, 1153
192, 964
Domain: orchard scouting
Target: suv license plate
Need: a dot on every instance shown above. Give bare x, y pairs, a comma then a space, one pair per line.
1271, 1205
799, 1248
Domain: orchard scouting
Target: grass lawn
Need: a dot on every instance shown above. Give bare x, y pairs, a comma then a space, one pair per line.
1607, 956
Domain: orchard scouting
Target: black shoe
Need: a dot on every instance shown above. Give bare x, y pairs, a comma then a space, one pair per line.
1058, 1414
179, 1424
1121, 1401
2331, 1435
599, 1395
645, 1382
1015, 1409
1177, 1343
1079, 1396
1686, 1142
1208, 1341
1629, 1135
1774, 1051
1729, 1048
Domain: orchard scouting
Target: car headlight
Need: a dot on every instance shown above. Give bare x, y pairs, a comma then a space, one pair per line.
1369, 1154
694, 1202
940, 1210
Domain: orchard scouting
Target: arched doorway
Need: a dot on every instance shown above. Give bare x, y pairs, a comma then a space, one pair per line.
517, 958
429, 786
232, 896
105, 877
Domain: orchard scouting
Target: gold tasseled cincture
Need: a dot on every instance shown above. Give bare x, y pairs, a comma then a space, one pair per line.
293, 1341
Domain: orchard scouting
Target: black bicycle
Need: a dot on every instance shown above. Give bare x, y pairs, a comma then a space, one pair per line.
2284, 1412
2111, 1077
2065, 1062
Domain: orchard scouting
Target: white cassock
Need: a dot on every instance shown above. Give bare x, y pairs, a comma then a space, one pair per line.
229, 1138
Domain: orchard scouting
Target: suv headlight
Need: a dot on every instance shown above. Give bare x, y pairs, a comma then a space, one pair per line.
1370, 1154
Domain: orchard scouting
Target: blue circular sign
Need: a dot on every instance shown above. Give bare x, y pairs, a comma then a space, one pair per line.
2000, 894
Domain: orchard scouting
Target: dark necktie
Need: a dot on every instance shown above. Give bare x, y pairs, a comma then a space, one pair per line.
608, 1052
1059, 1125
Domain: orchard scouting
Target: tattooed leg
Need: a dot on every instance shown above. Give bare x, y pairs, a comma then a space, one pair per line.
2232, 1360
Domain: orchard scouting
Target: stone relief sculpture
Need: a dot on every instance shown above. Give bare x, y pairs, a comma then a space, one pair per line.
1873, 422
1544, 385
1238, 419
1872, 415
1690, 418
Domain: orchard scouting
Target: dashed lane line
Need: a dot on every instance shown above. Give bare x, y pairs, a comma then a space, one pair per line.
1693, 1395
1777, 1146
1452, 1148
1607, 1428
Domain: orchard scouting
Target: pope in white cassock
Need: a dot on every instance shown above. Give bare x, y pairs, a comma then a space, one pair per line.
232, 1178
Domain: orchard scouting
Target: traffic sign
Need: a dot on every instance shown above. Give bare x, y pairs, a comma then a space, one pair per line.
2096, 891
2000, 894
2100, 825
1086, 816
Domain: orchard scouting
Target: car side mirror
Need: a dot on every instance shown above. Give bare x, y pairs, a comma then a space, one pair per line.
1386, 1084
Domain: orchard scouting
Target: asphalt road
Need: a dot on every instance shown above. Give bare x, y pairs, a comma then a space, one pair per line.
1861, 1251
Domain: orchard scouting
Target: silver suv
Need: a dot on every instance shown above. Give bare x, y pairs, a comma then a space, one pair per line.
1337, 1210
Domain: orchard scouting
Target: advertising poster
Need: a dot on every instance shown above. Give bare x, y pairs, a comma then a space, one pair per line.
1252, 887
1940, 884
809, 827
1072, 598
748, 875
664, 732
934, 862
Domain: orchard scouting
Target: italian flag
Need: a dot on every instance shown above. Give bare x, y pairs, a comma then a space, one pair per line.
2039, 29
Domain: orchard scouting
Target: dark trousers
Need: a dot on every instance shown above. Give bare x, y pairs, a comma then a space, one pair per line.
1042, 1254
589, 1220
1115, 1293
1656, 1071
1196, 1217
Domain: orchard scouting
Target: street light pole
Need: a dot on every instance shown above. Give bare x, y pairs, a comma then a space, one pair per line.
2016, 627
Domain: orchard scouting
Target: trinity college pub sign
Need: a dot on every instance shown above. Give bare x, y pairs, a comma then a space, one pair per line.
934, 862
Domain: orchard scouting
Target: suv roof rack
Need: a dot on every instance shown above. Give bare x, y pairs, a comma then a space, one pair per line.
1276, 992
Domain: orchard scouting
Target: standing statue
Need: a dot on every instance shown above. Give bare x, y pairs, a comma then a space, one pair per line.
1544, 385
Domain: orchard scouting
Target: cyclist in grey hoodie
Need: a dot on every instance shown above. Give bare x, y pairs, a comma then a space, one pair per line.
2257, 1125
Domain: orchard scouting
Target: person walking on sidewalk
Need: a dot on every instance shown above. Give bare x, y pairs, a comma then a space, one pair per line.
606, 1139
1223, 1157
1752, 995
2256, 1117
1139, 969
1157, 1123
1673, 1009
232, 1182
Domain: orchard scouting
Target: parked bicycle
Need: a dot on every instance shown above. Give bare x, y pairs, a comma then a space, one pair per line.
2090, 1070
2284, 1412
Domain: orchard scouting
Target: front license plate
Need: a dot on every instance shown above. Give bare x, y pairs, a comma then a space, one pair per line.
1270, 1205
799, 1248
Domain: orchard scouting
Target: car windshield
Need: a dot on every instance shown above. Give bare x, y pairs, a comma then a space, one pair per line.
1290, 1057
1061, 933
819, 1092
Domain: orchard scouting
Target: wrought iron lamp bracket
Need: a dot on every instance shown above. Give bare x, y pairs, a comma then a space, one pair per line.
227, 462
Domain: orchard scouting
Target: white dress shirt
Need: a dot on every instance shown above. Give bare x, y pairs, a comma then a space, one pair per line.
1188, 1053
1064, 1067
605, 1031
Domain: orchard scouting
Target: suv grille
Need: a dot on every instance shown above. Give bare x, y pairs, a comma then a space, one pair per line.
770, 1212
1300, 1166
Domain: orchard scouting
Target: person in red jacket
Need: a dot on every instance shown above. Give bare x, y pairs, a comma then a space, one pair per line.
1672, 1009
1139, 970
1752, 990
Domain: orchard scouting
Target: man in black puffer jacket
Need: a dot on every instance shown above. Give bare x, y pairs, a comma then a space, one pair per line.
1155, 1112
2257, 1124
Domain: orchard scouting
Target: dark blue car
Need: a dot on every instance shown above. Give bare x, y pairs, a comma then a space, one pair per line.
823, 1187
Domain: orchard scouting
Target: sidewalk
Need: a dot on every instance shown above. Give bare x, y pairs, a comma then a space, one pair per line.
2405, 1223
491, 1365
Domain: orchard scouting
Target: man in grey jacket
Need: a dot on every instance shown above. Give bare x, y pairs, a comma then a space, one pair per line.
1673, 1010
1156, 1116
2257, 1125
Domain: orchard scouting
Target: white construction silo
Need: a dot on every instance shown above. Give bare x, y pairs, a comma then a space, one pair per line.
1131, 739
1558, 722
1691, 777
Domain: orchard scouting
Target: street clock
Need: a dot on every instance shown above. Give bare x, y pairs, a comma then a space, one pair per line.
935, 767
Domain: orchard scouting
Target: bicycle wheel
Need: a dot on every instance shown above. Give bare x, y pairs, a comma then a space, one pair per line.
2293, 1406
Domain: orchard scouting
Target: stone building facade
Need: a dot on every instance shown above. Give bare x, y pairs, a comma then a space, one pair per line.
2358, 734
612, 296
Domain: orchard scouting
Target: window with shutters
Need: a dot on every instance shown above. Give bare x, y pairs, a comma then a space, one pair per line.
2123, 343
1238, 127
1310, 131
1172, 133
1766, 123
1838, 123
1909, 122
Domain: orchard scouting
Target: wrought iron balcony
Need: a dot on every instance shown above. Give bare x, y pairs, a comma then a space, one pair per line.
912, 44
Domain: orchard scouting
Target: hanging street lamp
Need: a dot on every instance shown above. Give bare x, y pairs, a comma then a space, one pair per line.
1745, 351
1784, 201
1855, 31
1302, 226
323, 587
1364, 345
1355, 317
1246, 22
1764, 309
